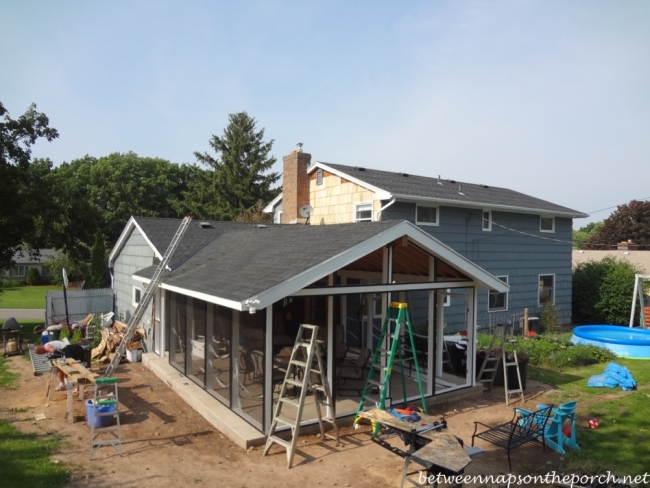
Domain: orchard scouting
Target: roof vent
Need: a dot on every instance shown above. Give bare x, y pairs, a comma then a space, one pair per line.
405, 174
359, 168
205, 225
460, 190
440, 181
485, 186
260, 226
452, 181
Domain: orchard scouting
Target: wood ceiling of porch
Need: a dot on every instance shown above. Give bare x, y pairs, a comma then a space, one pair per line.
408, 259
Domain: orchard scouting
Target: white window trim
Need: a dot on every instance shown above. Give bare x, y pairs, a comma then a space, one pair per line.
356, 205
133, 294
436, 223
489, 227
277, 218
447, 301
539, 278
505, 309
552, 226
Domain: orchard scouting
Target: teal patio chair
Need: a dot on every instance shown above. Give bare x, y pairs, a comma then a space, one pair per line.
552, 431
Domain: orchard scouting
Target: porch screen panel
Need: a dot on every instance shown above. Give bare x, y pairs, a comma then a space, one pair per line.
250, 364
196, 330
177, 320
218, 351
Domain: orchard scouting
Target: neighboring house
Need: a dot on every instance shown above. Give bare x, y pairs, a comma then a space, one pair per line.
22, 262
228, 309
624, 252
523, 240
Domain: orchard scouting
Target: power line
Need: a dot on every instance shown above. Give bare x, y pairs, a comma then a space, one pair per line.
609, 208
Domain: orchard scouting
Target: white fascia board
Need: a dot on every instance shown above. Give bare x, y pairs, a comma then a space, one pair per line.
505, 208
481, 278
198, 295
274, 202
379, 193
384, 288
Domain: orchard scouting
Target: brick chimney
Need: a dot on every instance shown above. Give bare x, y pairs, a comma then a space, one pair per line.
295, 185
627, 246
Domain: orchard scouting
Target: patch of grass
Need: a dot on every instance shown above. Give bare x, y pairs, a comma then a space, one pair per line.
8, 379
25, 296
25, 459
621, 444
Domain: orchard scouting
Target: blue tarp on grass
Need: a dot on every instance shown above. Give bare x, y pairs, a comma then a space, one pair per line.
614, 375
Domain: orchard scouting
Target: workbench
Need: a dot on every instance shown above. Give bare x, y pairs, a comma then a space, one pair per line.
74, 371
437, 450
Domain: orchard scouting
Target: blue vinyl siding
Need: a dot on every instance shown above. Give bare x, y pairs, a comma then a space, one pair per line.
514, 247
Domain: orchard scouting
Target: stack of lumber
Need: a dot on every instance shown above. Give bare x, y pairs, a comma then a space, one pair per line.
111, 338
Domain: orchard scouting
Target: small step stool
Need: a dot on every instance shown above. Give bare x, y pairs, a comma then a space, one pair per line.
106, 395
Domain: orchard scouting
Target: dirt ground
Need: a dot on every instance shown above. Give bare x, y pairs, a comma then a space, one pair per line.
167, 444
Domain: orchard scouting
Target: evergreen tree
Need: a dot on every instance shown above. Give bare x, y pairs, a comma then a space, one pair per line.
98, 276
240, 176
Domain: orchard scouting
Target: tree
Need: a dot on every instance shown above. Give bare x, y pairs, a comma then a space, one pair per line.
17, 136
237, 181
581, 235
98, 274
33, 277
120, 185
630, 221
255, 215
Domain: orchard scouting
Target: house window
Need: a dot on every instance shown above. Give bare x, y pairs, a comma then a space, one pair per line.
487, 220
362, 212
319, 177
546, 289
426, 215
137, 295
17, 271
498, 301
547, 224
277, 217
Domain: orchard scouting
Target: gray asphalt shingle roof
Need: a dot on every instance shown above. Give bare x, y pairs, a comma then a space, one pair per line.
448, 190
241, 260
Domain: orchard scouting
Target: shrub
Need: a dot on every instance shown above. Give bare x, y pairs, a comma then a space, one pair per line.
76, 336
582, 355
550, 351
65, 332
549, 319
602, 292
33, 277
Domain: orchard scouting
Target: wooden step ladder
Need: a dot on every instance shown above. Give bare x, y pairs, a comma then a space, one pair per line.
512, 362
397, 320
105, 396
491, 362
306, 363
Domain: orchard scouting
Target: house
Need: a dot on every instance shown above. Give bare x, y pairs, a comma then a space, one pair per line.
228, 309
523, 240
23, 261
623, 252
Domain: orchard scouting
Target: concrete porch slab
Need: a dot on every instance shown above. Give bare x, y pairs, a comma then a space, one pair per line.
221, 417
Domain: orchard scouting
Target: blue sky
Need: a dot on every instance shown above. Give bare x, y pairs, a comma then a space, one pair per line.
550, 98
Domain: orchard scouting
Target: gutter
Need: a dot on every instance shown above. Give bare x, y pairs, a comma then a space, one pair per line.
384, 208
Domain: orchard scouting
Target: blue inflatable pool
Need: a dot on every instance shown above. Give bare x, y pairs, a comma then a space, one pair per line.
625, 342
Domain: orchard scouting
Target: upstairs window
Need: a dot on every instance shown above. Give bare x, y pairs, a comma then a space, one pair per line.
498, 301
547, 224
362, 212
487, 220
426, 215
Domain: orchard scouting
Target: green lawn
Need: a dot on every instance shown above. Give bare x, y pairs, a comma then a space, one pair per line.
25, 296
621, 444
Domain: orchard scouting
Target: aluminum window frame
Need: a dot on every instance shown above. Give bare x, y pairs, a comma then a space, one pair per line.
436, 208
543, 218
356, 207
541, 288
505, 294
488, 227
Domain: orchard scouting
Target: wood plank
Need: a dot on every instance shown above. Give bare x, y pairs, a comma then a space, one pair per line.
82, 370
444, 450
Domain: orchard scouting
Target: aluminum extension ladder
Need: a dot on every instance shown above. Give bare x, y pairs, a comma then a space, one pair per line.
398, 316
512, 362
151, 289
105, 396
305, 360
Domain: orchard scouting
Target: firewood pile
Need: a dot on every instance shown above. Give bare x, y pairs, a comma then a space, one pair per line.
111, 338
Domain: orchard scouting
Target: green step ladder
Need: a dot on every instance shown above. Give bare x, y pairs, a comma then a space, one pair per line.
398, 319
105, 396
